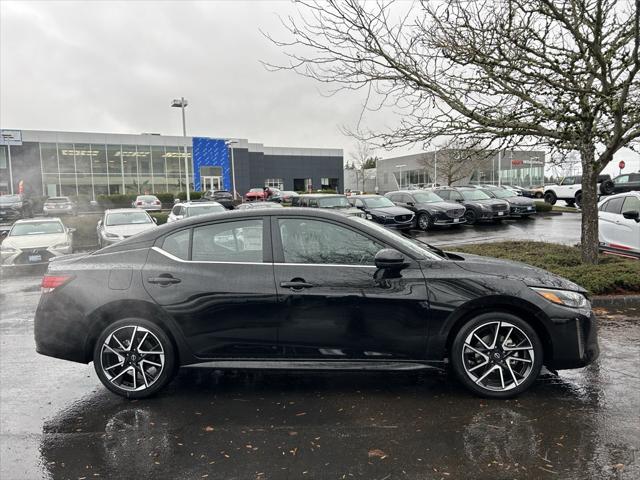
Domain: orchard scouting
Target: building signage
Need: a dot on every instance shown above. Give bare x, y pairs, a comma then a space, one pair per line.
533, 161
10, 137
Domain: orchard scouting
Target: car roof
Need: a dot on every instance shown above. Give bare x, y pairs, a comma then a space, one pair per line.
194, 203
634, 193
368, 195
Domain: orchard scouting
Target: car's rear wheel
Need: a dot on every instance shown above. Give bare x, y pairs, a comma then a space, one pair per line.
570, 203
496, 355
579, 199
134, 358
550, 198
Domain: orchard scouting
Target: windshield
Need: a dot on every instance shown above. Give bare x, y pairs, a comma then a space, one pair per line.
416, 248
378, 202
426, 197
499, 193
36, 228
203, 210
333, 202
127, 218
222, 193
57, 200
147, 198
474, 195
256, 190
9, 198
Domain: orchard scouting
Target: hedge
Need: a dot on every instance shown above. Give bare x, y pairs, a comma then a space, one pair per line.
194, 195
116, 201
543, 207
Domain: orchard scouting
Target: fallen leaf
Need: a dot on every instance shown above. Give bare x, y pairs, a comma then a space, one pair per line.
208, 428
377, 453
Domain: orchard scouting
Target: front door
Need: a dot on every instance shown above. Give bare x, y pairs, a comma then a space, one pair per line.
216, 282
335, 304
211, 183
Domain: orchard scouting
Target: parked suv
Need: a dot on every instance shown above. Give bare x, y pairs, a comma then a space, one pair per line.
522, 207
480, 207
429, 208
337, 202
383, 211
223, 197
628, 182
14, 207
570, 190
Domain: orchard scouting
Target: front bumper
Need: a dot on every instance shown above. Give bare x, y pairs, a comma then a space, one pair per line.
522, 211
31, 256
575, 342
9, 214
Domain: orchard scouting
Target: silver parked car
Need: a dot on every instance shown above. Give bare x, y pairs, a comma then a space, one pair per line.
150, 203
59, 206
192, 209
121, 223
36, 241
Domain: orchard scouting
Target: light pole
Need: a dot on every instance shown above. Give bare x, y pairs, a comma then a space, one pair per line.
233, 167
377, 188
435, 168
400, 167
182, 104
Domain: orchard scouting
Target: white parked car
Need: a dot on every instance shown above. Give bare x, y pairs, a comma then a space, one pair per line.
192, 209
36, 241
121, 223
570, 190
150, 203
619, 224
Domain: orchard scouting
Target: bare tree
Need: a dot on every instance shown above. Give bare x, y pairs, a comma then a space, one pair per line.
453, 162
556, 73
361, 160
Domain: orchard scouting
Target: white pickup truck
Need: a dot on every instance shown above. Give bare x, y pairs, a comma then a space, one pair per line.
570, 190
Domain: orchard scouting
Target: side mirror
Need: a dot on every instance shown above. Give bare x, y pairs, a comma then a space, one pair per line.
632, 215
99, 222
71, 230
389, 258
411, 204
176, 200
4, 233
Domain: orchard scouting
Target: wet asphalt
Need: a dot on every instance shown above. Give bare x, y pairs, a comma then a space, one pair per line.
57, 421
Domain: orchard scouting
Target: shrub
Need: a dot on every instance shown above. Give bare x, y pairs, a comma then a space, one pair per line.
165, 198
543, 207
194, 195
116, 201
161, 217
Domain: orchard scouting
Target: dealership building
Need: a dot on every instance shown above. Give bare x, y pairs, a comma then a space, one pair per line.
91, 164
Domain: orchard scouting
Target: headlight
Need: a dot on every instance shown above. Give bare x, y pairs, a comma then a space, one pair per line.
566, 298
61, 245
111, 235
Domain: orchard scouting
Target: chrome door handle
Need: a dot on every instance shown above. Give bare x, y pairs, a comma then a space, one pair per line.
299, 285
164, 280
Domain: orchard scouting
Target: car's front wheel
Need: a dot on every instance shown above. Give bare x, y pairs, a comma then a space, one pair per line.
496, 355
550, 198
134, 358
425, 221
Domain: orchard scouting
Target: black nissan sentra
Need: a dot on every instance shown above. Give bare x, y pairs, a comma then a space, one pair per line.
306, 288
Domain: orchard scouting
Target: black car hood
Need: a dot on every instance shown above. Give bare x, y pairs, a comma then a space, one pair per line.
522, 201
390, 211
439, 206
531, 276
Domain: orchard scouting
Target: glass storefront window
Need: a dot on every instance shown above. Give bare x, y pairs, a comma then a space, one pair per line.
114, 165
174, 172
98, 159
3, 157
84, 154
66, 158
130, 168
158, 167
49, 158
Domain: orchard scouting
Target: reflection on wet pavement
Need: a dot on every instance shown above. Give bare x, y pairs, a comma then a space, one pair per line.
58, 422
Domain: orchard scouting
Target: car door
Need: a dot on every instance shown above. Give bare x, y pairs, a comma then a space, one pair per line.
628, 229
335, 303
608, 221
216, 282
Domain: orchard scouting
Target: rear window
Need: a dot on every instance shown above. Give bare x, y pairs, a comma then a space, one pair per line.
147, 198
58, 200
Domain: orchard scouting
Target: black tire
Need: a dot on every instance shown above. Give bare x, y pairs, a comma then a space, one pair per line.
578, 199
525, 364
607, 187
550, 198
155, 340
470, 216
570, 203
425, 222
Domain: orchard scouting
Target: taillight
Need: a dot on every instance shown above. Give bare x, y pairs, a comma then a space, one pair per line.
157, 202
51, 282
138, 203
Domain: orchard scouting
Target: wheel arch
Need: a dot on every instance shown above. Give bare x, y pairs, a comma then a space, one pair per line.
524, 310
113, 311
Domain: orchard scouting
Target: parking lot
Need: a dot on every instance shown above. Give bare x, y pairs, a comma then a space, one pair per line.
59, 422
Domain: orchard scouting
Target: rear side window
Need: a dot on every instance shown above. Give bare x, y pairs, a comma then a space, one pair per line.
444, 194
613, 206
228, 242
177, 244
631, 204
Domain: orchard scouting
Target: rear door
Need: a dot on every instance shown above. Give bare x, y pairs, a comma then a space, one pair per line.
216, 281
628, 229
334, 302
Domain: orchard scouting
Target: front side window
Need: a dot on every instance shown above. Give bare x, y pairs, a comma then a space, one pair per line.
228, 242
315, 241
622, 179
176, 210
631, 204
426, 197
377, 202
478, 195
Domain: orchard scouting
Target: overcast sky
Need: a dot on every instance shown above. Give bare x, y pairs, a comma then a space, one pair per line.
115, 66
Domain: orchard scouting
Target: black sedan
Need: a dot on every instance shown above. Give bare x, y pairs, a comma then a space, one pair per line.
223, 197
269, 287
522, 207
429, 208
383, 211
480, 206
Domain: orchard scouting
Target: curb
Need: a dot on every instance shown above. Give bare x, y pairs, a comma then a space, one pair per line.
617, 301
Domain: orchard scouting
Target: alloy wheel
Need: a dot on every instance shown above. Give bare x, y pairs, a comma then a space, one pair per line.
132, 358
498, 356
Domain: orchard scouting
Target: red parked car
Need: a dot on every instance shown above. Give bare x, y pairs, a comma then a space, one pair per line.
254, 194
